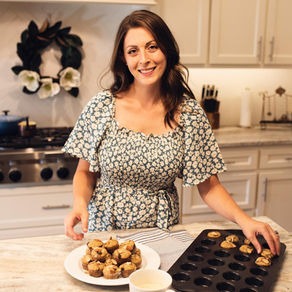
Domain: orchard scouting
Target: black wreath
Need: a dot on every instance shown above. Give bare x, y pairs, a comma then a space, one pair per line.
35, 40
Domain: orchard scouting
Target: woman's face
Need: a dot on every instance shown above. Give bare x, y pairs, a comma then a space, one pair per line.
144, 59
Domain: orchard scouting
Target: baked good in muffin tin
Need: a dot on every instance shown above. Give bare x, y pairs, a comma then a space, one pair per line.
207, 266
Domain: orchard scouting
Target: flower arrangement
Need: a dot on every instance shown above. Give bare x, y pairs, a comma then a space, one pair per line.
33, 42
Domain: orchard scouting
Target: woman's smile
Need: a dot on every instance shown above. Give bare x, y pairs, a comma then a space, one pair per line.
144, 58
147, 71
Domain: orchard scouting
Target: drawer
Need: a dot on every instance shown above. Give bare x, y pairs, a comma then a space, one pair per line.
34, 206
241, 186
276, 157
236, 159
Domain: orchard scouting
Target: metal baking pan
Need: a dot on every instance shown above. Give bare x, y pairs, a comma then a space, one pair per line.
205, 266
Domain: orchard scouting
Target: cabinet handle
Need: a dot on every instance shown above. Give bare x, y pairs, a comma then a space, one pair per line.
52, 207
259, 48
230, 162
265, 190
272, 43
288, 158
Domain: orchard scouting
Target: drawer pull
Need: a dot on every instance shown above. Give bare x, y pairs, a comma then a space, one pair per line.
230, 162
288, 158
52, 207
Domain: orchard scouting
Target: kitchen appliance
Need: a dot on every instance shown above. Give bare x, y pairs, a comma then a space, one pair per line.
37, 159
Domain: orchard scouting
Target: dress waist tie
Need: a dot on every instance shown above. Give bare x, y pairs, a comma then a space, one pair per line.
165, 217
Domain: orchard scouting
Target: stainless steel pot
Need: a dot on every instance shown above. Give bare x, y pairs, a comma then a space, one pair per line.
9, 123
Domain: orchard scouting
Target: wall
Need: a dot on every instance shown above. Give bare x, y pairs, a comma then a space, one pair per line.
96, 24
232, 82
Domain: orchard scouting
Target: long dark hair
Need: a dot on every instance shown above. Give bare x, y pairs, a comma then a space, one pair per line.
174, 87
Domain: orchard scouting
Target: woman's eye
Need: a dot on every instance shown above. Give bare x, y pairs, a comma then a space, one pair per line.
132, 52
152, 48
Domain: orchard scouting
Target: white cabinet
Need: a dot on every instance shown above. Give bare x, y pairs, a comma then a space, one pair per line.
278, 49
275, 185
258, 178
34, 211
236, 33
240, 180
189, 23
250, 32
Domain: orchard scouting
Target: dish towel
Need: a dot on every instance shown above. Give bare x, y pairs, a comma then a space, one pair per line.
168, 244
156, 234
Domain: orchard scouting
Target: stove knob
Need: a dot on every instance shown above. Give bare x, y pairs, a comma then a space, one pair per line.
1, 175
63, 172
46, 173
15, 175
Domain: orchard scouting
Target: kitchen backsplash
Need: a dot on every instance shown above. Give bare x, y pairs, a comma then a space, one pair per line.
96, 24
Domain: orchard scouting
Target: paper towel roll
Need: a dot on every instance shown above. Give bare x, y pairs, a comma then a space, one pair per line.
245, 109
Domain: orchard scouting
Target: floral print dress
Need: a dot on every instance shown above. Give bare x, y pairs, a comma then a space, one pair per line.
137, 171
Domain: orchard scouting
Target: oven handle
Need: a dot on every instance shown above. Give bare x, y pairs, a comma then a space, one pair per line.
52, 207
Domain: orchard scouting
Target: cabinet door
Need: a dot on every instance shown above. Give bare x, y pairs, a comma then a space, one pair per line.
237, 31
188, 21
32, 211
278, 48
275, 196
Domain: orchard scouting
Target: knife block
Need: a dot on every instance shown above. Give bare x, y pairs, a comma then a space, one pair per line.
214, 119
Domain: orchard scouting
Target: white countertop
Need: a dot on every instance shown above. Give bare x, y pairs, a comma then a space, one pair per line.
236, 136
37, 263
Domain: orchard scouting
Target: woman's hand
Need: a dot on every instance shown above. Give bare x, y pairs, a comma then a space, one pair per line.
84, 182
72, 219
216, 197
251, 228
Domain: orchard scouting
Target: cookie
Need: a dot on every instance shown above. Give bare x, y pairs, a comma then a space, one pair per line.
232, 238
214, 234
246, 248
263, 262
267, 253
227, 244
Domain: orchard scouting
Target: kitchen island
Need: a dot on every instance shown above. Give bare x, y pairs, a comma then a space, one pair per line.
37, 263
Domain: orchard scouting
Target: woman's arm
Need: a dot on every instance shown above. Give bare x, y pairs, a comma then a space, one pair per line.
83, 185
216, 197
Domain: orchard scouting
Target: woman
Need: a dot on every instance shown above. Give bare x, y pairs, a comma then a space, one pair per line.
143, 133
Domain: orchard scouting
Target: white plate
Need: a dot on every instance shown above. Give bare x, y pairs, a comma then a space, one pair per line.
73, 265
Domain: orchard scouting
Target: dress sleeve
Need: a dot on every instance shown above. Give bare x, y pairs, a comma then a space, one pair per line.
202, 156
89, 129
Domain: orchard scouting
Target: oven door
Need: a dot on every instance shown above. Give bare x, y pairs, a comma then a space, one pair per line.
34, 211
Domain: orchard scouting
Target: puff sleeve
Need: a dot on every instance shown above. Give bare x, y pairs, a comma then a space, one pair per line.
202, 156
87, 134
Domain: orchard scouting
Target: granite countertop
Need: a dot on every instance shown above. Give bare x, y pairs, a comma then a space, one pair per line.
37, 263
236, 136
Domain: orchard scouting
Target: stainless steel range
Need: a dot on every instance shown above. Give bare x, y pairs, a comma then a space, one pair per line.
36, 160
35, 183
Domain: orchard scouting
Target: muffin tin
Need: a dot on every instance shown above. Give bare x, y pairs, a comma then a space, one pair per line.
205, 266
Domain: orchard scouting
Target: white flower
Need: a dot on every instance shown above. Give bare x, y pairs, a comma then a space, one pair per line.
48, 88
69, 77
29, 79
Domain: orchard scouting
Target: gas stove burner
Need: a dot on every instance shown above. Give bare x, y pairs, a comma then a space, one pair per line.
36, 160
44, 137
